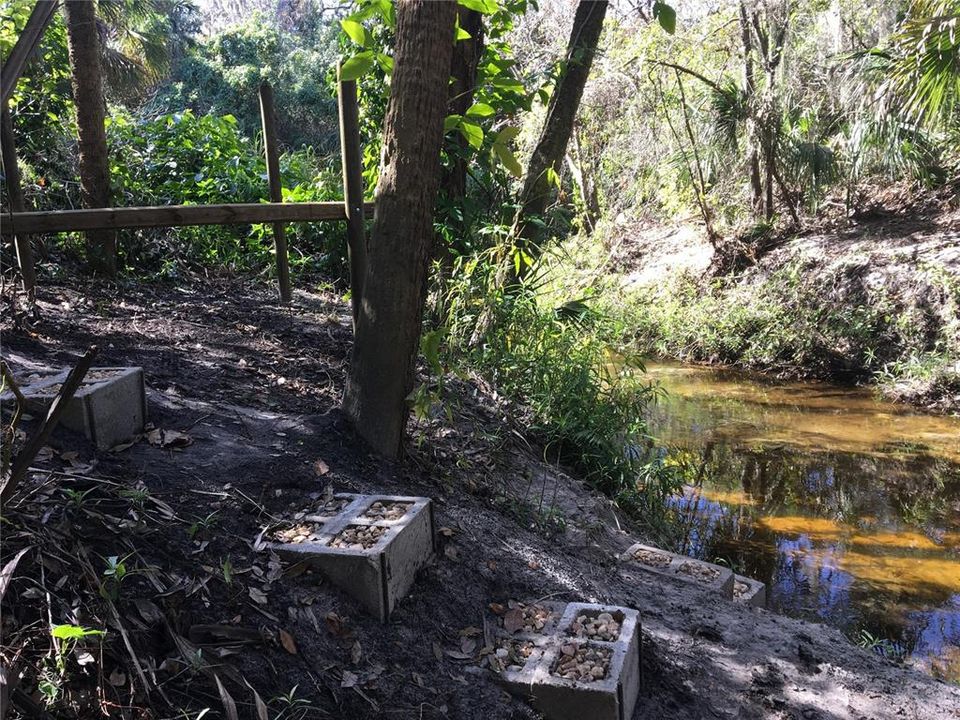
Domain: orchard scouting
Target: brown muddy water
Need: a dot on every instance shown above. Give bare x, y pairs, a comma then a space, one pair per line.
846, 506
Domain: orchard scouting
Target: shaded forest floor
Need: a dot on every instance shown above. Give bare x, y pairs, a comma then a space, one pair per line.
254, 387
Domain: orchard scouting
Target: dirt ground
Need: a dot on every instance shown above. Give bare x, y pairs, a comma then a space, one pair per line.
255, 389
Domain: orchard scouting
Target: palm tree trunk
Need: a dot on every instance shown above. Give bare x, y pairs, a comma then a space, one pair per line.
388, 329
84, 46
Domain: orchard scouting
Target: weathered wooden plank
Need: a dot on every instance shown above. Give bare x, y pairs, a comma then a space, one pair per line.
11, 171
54, 221
352, 188
276, 191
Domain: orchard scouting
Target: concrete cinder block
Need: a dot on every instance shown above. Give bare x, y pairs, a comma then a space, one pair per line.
749, 591
611, 698
680, 567
109, 408
383, 572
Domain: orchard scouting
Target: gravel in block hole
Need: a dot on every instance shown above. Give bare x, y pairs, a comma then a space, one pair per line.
654, 559
740, 588
525, 618
511, 654
299, 533
582, 662
386, 510
701, 573
597, 626
358, 537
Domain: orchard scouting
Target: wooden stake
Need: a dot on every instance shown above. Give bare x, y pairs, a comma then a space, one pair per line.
29, 451
26, 45
276, 193
11, 173
352, 189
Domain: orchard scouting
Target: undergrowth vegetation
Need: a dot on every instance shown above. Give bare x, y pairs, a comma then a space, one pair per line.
799, 319
560, 363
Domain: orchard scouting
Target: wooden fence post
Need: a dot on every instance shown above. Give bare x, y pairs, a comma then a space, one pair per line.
352, 189
15, 196
26, 45
276, 193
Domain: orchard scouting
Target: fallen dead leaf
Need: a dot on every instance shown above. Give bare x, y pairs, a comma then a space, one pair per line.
349, 679
168, 438
229, 706
257, 595
125, 446
446, 532
117, 678
513, 620
320, 467
286, 639
356, 652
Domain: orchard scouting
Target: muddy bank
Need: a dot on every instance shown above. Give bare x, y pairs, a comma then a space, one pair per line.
875, 301
255, 387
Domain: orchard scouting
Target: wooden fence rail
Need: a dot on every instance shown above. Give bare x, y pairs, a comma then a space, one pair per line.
19, 224
54, 221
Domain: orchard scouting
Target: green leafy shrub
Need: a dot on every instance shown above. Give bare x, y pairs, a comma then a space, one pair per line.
559, 364
188, 159
223, 75
801, 319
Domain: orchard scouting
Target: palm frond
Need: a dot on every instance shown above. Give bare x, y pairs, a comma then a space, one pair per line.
728, 103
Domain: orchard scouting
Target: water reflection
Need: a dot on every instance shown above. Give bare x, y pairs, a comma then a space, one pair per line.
848, 508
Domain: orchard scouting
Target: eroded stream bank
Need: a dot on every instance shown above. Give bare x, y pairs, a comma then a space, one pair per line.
846, 506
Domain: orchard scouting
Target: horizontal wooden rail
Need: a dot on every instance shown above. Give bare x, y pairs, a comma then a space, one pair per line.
54, 221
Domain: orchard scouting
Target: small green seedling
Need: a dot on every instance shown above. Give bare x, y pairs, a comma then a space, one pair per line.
51, 681
115, 572
203, 524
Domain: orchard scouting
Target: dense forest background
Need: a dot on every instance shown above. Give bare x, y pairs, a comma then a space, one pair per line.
746, 122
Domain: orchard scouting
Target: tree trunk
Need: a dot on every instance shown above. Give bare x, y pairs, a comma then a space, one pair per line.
749, 92
84, 46
463, 74
388, 330
463, 82
583, 179
561, 113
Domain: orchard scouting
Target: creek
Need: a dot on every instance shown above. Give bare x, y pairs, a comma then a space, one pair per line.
848, 507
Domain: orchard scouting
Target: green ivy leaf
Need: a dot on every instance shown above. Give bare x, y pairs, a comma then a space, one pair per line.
355, 31
473, 133
552, 177
666, 16
451, 122
459, 32
508, 159
385, 62
484, 7
357, 66
430, 347
72, 632
480, 110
